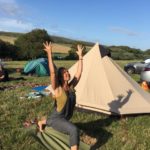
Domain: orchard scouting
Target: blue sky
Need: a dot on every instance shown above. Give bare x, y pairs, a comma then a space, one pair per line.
109, 22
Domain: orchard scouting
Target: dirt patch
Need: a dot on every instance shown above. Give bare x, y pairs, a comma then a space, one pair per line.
88, 140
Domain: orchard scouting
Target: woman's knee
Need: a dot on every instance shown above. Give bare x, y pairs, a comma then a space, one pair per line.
74, 131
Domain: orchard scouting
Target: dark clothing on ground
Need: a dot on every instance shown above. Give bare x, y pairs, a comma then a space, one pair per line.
6, 77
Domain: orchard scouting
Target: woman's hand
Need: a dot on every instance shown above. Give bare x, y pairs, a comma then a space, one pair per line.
48, 47
79, 51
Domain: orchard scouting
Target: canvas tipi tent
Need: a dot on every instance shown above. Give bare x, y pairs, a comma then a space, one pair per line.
106, 88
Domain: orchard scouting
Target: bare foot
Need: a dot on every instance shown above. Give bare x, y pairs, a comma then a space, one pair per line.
40, 124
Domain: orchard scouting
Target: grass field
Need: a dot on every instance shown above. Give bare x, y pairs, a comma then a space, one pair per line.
8, 39
61, 48
102, 131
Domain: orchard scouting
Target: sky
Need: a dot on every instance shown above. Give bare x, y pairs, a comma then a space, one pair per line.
109, 22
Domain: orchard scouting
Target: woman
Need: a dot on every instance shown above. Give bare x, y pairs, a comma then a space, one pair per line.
64, 96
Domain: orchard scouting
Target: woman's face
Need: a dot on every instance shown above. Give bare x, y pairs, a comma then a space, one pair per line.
65, 75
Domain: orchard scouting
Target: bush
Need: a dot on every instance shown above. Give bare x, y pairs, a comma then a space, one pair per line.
30, 45
72, 55
7, 50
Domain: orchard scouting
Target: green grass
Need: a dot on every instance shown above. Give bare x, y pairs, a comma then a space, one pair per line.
109, 133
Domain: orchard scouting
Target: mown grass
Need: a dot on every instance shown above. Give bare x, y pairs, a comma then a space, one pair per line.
61, 48
8, 39
106, 133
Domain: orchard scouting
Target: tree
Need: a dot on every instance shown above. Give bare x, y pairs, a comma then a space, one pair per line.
7, 50
30, 45
72, 55
147, 52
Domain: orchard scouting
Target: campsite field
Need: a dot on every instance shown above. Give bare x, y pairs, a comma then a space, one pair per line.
102, 131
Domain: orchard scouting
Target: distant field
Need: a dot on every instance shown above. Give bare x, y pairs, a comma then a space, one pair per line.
57, 48
61, 48
8, 39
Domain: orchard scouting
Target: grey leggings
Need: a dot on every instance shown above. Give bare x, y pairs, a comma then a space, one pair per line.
64, 126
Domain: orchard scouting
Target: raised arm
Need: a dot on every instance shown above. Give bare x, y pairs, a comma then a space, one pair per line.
48, 50
77, 76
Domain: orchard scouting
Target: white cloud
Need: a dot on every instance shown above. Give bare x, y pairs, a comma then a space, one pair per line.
7, 24
9, 7
124, 31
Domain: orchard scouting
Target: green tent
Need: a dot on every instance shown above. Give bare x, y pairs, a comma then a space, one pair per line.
38, 67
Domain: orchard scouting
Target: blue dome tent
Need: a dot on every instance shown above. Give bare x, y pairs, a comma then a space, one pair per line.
38, 67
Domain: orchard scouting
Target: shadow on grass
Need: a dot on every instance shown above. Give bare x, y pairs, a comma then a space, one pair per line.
95, 129
1, 147
14, 79
11, 70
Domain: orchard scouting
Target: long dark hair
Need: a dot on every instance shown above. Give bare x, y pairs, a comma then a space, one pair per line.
60, 75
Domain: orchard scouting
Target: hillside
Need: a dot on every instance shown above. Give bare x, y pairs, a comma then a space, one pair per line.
62, 46
9, 39
11, 36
